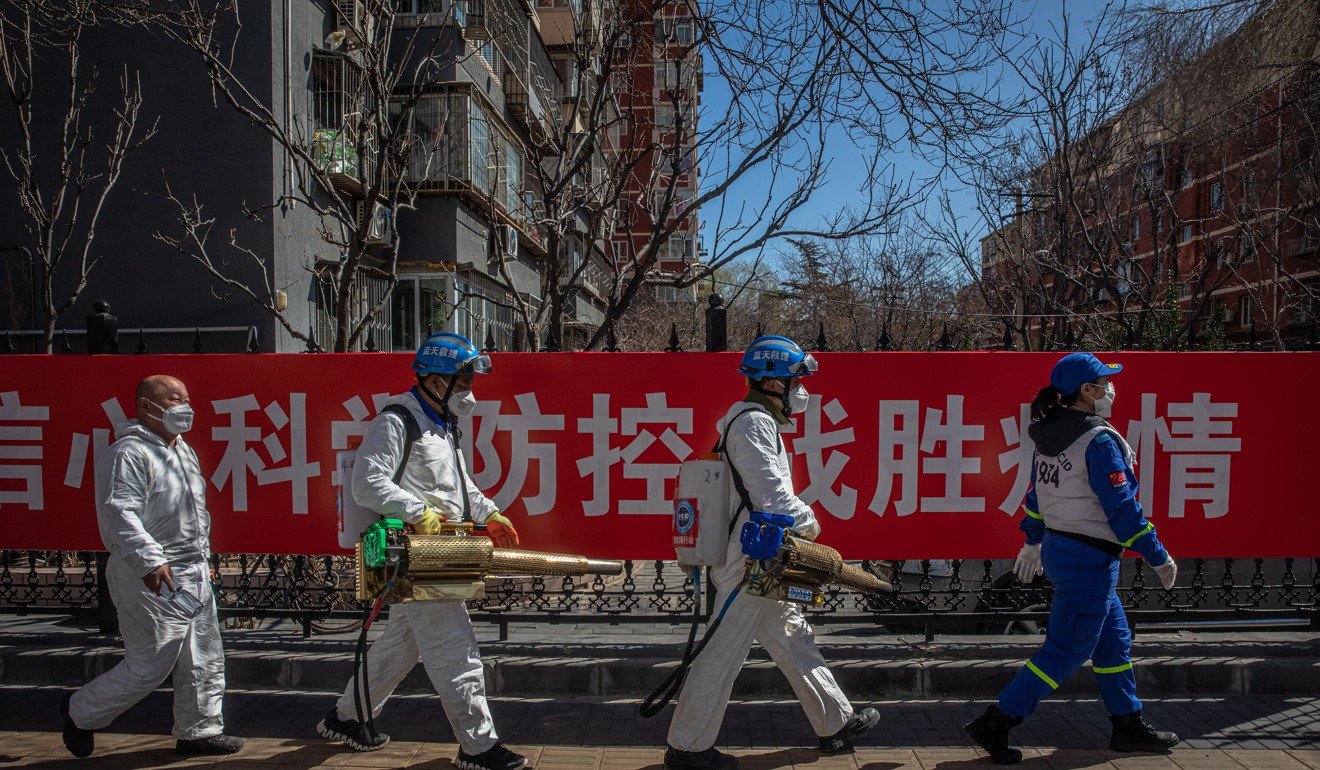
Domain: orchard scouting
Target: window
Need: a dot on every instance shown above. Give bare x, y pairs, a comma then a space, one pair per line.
683, 32
439, 123
666, 117
1249, 189
620, 251
1184, 290
1308, 304
1244, 313
667, 293
1136, 227
1219, 251
1185, 234
410, 7
1246, 248
1126, 271
1217, 196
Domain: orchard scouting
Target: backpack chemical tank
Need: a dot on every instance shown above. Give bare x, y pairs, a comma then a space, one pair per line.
701, 512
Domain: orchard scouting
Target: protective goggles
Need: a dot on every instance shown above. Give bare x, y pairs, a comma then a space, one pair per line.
806, 366
476, 365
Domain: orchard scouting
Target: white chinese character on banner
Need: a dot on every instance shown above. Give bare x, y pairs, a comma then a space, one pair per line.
522, 451
1198, 438
953, 433
601, 427
656, 412
342, 432
238, 458
903, 440
75, 473
23, 443
1017, 458
900, 433
822, 473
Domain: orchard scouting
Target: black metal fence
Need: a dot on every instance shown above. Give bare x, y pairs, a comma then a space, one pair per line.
956, 596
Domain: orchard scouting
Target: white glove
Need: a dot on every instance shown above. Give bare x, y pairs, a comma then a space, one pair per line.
1027, 567
1168, 572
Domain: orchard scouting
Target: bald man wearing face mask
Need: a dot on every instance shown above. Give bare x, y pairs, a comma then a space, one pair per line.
151, 510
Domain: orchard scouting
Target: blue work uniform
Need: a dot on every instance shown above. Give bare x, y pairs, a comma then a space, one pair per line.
1082, 508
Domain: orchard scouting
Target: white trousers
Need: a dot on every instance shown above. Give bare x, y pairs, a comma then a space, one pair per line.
157, 639
440, 635
783, 631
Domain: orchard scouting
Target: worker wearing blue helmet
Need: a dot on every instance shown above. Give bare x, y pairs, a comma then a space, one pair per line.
1081, 513
410, 467
774, 368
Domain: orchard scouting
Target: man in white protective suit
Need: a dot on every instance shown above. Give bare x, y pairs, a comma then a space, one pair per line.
755, 453
151, 510
410, 467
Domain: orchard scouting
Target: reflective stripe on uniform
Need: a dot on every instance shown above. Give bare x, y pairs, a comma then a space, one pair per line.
1112, 669
1128, 543
1053, 684
1032, 513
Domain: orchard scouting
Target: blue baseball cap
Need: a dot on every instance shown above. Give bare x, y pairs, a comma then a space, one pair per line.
1076, 369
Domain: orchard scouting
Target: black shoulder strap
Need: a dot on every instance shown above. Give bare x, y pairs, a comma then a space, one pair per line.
413, 432
720, 445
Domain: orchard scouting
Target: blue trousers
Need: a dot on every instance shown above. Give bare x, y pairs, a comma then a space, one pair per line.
1086, 622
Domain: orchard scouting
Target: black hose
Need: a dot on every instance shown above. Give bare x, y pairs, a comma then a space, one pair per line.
362, 687
665, 692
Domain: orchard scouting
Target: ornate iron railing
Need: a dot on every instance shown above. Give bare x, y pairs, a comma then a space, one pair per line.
965, 596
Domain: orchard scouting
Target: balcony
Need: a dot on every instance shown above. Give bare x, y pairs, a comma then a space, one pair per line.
336, 155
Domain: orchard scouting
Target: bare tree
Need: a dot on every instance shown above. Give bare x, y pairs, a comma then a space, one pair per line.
63, 177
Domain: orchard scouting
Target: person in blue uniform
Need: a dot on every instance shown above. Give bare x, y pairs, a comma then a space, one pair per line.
1081, 514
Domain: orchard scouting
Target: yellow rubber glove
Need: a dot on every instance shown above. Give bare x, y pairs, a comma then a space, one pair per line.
501, 531
429, 524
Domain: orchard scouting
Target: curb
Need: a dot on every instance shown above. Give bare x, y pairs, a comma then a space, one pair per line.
511, 674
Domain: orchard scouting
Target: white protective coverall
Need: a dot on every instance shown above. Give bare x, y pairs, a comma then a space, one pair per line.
438, 633
151, 509
753, 446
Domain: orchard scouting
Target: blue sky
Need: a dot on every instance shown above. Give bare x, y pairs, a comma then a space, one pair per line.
1041, 17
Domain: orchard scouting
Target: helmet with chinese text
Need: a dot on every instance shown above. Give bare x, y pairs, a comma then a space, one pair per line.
449, 353
774, 356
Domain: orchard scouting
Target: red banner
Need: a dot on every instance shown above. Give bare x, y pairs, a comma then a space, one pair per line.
903, 455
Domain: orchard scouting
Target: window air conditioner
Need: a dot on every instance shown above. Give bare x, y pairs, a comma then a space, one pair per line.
381, 230
510, 234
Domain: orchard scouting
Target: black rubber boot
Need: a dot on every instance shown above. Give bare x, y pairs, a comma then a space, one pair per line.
80, 743
710, 759
990, 732
858, 723
358, 736
1132, 733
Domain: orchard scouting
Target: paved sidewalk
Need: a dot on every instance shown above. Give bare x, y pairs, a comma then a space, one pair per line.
607, 734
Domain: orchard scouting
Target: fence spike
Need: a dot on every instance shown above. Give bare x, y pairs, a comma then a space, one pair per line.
759, 333
885, 342
141, 349
370, 347
254, 342
198, 347
822, 344
65, 347
1131, 342
9, 341
674, 345
611, 341
1070, 339
945, 343
1009, 342
489, 346
312, 347
1253, 341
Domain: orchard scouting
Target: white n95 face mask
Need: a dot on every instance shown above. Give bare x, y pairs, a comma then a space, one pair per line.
798, 399
462, 403
1104, 406
177, 419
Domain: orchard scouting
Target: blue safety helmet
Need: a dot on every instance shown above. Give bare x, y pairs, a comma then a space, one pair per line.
774, 356
1074, 370
449, 353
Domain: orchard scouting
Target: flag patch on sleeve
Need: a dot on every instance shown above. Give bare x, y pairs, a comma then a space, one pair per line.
1118, 479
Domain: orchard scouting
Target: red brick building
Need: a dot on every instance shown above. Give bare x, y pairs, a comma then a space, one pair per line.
1190, 216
